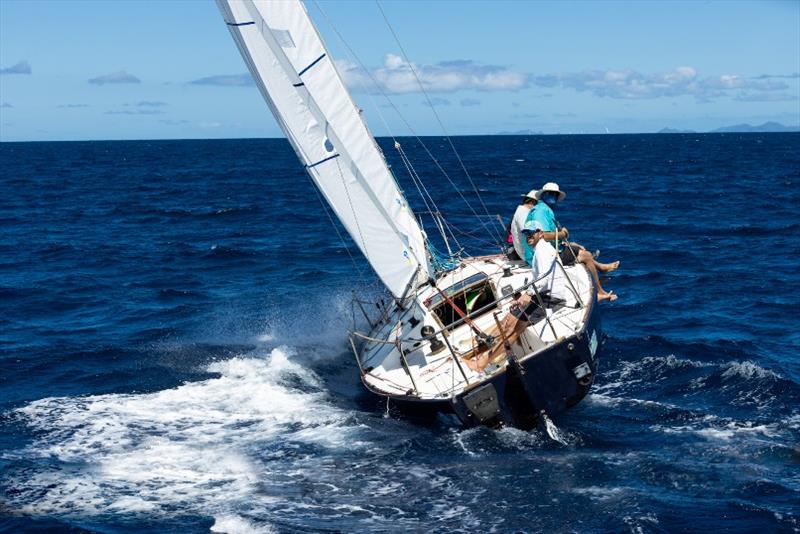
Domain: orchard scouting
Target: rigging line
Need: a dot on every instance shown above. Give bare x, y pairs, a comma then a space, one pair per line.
438, 119
452, 227
406, 161
420, 188
352, 209
399, 114
413, 179
338, 233
415, 175
437, 214
369, 95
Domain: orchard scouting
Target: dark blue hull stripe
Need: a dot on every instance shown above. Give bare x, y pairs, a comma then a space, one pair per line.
311, 65
322, 161
240, 23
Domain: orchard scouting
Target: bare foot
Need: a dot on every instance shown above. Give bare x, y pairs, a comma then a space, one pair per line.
609, 267
609, 296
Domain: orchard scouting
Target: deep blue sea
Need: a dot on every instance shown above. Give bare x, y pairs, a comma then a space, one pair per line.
174, 357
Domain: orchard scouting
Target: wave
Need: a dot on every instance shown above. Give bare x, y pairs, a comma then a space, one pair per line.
713, 428
748, 371
194, 447
234, 524
742, 384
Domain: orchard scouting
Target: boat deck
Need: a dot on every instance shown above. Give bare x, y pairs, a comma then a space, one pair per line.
436, 374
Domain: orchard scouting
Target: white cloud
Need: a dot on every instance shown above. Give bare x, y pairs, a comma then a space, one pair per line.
681, 81
766, 97
22, 67
150, 104
135, 112
226, 80
436, 101
397, 76
115, 77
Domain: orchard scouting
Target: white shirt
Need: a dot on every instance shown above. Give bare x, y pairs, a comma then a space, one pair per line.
517, 224
544, 256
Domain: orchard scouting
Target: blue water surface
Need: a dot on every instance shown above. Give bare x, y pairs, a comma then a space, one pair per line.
173, 320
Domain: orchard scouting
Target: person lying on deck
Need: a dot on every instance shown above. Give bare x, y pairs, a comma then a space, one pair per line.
543, 213
506, 332
525, 308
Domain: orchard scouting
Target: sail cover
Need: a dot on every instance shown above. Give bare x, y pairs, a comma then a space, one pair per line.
298, 79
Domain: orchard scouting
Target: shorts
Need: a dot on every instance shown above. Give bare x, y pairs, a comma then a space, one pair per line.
526, 313
569, 254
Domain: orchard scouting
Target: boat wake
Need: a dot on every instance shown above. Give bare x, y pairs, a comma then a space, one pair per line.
200, 447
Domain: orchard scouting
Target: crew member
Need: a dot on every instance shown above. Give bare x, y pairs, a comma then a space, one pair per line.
543, 214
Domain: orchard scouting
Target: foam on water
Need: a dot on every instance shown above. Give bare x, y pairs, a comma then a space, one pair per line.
715, 428
196, 446
233, 524
553, 431
748, 371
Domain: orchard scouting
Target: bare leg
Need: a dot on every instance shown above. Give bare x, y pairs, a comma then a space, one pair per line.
586, 258
606, 267
602, 267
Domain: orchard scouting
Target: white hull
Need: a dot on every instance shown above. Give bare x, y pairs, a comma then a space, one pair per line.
441, 377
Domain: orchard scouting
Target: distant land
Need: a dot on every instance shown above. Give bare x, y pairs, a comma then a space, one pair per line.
521, 132
763, 128
767, 127
674, 130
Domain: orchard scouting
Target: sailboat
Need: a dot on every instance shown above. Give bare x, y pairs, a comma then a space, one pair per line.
447, 339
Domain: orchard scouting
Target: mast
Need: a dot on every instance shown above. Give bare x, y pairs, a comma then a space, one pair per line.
297, 77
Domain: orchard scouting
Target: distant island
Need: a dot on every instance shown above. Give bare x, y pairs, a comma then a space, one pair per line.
675, 131
763, 128
767, 127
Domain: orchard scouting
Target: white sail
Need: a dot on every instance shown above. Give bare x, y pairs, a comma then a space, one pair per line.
299, 81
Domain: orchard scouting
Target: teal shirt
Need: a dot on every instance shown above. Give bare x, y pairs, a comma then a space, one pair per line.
542, 214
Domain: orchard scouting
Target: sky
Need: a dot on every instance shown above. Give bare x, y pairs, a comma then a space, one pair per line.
168, 69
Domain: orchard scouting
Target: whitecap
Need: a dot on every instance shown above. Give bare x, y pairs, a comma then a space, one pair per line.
747, 370
195, 447
719, 430
234, 524
600, 493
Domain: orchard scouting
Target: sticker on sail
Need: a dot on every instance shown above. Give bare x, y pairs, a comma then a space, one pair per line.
407, 257
283, 37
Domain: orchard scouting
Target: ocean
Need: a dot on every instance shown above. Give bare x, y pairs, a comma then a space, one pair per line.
173, 320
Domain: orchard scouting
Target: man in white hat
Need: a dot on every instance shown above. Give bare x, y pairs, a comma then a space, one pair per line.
548, 197
518, 223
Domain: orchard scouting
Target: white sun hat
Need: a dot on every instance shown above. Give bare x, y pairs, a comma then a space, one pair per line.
551, 186
531, 194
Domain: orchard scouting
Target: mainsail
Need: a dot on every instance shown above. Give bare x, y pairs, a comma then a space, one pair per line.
298, 79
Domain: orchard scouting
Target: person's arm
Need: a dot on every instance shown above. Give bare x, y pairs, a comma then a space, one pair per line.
551, 236
543, 220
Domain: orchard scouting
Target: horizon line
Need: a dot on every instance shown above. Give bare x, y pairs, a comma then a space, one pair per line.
385, 136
